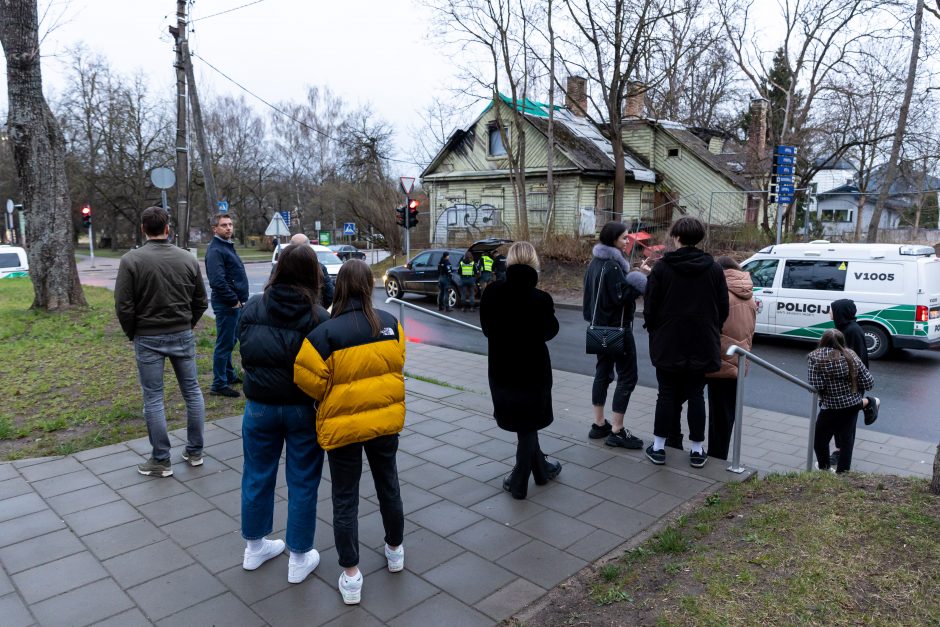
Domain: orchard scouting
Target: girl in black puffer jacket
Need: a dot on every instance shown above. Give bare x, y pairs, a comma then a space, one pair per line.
272, 328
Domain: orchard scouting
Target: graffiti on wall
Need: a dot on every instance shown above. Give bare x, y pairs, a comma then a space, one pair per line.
468, 221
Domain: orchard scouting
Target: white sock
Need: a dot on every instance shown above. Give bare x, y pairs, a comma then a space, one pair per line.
297, 558
696, 446
255, 546
658, 443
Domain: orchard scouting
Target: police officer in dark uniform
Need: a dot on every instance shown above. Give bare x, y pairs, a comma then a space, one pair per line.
444, 270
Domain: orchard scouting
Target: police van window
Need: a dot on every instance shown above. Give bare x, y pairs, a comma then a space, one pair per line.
9, 260
762, 272
815, 275
422, 259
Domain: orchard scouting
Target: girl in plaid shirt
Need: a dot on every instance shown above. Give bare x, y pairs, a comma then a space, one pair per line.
840, 377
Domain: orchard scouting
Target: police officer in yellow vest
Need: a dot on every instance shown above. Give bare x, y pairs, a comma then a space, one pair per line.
486, 271
468, 269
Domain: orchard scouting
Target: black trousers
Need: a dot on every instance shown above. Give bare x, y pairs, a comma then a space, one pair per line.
676, 389
625, 365
721, 397
529, 461
345, 471
442, 287
836, 422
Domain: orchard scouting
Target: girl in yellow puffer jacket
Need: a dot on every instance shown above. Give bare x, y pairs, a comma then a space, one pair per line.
353, 365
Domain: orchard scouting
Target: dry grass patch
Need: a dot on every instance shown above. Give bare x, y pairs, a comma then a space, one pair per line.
800, 549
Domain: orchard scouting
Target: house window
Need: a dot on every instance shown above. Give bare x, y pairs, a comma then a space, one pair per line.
647, 204
537, 205
672, 152
496, 147
604, 204
837, 215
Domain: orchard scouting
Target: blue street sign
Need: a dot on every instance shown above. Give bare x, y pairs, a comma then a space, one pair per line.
785, 180
784, 160
784, 199
786, 190
286, 216
785, 150
783, 169
223, 206
349, 228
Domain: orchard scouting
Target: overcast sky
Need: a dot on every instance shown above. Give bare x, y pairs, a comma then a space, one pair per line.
366, 51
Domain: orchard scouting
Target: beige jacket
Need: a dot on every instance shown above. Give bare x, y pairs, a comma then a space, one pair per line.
742, 318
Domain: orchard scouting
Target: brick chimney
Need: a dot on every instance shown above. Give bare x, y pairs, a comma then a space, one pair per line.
633, 104
576, 96
757, 130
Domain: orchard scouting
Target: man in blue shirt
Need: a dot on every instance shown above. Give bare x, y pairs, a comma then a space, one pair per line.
229, 285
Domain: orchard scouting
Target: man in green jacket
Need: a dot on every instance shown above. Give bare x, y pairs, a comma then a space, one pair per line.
159, 297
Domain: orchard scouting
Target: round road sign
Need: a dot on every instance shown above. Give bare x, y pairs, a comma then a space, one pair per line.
162, 178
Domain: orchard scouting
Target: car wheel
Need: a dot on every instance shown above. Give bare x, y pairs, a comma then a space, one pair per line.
393, 288
452, 298
876, 341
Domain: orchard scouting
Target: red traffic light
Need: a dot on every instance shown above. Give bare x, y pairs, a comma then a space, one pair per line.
86, 211
413, 204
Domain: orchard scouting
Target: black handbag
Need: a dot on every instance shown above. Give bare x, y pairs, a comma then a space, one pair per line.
604, 340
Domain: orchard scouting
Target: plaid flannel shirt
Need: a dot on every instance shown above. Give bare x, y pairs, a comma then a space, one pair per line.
829, 374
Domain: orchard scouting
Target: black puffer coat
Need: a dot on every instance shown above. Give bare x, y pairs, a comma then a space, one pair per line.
843, 317
615, 295
519, 319
685, 306
272, 327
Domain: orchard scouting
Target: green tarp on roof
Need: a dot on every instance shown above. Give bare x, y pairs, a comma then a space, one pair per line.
526, 106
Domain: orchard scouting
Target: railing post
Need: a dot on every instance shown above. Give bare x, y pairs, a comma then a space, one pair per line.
738, 416
812, 431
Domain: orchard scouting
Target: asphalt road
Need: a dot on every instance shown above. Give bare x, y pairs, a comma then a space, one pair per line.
906, 380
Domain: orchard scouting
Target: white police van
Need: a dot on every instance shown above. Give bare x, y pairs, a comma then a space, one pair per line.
896, 289
13, 262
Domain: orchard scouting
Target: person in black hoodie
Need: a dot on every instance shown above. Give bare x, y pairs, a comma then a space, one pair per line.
685, 306
444, 271
272, 328
843, 312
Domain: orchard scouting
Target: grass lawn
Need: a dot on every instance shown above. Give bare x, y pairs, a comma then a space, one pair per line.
799, 549
70, 380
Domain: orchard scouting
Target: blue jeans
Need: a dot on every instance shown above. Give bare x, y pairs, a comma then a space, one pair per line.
152, 351
443, 284
265, 429
226, 324
467, 288
345, 472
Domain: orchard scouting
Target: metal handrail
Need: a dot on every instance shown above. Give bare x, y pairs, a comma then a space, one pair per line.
404, 304
743, 356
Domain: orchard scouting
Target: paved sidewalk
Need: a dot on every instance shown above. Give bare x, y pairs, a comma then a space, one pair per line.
84, 539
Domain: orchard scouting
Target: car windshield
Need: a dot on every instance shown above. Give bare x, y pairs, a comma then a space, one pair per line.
327, 258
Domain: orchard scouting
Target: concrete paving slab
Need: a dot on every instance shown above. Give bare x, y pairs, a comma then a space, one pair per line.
21, 505
67, 573
83, 606
14, 611
146, 563
162, 596
123, 538
39, 550
82, 499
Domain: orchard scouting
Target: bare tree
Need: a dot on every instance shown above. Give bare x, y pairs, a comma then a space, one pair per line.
499, 30
891, 170
613, 38
39, 153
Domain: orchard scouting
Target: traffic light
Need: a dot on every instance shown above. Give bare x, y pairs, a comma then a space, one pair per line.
400, 215
412, 212
86, 216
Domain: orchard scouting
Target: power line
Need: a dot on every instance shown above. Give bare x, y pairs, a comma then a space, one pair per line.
206, 17
285, 113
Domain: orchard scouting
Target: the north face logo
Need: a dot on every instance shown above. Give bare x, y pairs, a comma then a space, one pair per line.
387, 331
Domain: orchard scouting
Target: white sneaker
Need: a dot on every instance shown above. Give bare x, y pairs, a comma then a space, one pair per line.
396, 559
350, 588
298, 571
271, 548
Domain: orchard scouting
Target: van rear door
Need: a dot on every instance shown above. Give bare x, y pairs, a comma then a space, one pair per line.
928, 298
763, 273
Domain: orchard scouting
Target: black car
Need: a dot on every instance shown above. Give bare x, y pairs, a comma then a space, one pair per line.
346, 252
419, 276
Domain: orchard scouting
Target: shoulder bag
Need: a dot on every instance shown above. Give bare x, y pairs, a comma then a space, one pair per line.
604, 340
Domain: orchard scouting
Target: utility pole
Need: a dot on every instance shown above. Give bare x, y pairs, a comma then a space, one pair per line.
204, 157
182, 150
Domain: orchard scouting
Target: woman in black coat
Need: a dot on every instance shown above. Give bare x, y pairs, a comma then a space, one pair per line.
519, 319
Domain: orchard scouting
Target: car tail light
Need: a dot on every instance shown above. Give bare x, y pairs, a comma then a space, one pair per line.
922, 314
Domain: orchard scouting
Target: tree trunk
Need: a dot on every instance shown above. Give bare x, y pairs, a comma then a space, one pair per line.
39, 155
891, 170
935, 484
